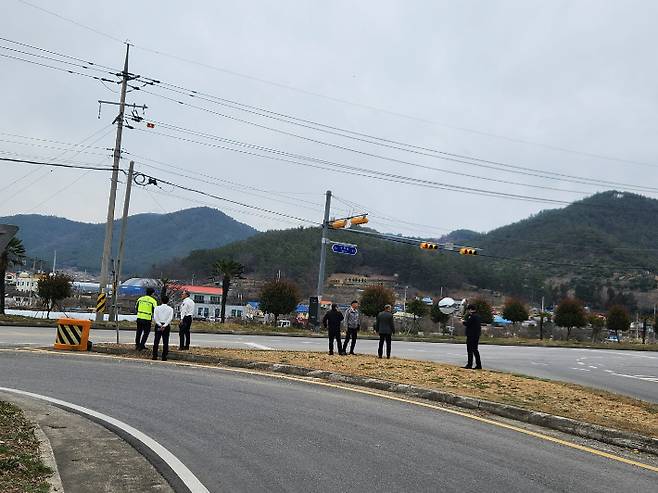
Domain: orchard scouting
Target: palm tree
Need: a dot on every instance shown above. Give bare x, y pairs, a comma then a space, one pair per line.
12, 255
227, 269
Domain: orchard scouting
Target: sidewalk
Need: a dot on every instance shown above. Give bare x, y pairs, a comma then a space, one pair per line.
90, 458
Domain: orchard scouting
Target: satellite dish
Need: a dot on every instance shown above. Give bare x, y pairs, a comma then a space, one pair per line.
447, 306
450, 306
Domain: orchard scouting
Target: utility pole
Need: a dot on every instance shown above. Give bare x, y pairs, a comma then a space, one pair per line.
122, 240
107, 246
323, 246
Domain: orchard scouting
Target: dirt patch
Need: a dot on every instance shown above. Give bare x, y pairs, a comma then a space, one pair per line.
21, 468
563, 399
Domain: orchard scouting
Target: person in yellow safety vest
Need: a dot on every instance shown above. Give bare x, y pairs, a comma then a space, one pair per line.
145, 308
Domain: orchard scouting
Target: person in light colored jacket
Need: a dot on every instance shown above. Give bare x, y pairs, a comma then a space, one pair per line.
162, 316
186, 312
352, 324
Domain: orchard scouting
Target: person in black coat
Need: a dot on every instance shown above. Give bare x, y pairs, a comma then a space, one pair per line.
385, 327
473, 326
332, 321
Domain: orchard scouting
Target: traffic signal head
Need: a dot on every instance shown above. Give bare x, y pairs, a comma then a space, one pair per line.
338, 224
468, 251
359, 220
425, 245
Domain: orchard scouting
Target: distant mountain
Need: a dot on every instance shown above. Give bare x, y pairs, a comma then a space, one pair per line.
150, 238
606, 241
461, 236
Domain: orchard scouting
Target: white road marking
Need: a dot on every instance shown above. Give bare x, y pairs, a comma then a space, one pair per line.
186, 476
595, 367
538, 364
579, 369
258, 346
580, 363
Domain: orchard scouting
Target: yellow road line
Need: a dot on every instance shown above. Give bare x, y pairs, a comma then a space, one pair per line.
474, 417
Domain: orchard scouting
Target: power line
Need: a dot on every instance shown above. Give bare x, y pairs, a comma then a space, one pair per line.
384, 142
215, 178
52, 67
365, 172
390, 159
417, 165
217, 197
79, 24
44, 57
336, 99
56, 165
59, 54
194, 178
397, 145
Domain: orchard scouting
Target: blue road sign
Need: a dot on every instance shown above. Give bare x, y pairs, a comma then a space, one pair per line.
343, 249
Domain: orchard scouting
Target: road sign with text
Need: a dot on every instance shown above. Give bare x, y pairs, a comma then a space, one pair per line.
344, 249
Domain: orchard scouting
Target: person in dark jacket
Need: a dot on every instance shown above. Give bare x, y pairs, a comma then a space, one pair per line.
332, 321
473, 326
385, 327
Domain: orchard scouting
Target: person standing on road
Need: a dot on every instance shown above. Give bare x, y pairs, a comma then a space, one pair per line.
186, 312
353, 324
145, 308
162, 317
473, 326
385, 327
332, 321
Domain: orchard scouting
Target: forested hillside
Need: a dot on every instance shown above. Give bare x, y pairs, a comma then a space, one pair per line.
603, 242
151, 238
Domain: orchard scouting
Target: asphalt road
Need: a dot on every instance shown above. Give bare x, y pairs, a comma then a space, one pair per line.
240, 432
633, 373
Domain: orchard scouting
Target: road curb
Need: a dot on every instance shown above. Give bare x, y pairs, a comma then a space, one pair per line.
48, 458
610, 436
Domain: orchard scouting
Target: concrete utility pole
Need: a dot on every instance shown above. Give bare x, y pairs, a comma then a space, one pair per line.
323, 246
122, 240
107, 246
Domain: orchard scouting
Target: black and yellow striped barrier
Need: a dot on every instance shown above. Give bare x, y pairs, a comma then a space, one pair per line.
73, 334
101, 302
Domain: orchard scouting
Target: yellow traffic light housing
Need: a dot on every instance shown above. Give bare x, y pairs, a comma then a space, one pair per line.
359, 220
426, 245
468, 251
338, 224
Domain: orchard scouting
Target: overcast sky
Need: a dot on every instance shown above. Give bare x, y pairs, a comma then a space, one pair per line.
508, 81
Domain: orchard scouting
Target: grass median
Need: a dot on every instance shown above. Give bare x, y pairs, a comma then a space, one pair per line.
21, 467
563, 399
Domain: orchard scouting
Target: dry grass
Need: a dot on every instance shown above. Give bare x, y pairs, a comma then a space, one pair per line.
21, 468
564, 399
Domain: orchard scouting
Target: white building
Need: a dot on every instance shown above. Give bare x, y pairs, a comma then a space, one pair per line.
26, 282
208, 302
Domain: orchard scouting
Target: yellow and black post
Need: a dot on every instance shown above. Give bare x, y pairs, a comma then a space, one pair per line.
101, 303
73, 334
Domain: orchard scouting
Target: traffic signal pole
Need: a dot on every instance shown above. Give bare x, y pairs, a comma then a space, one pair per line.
323, 246
107, 245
